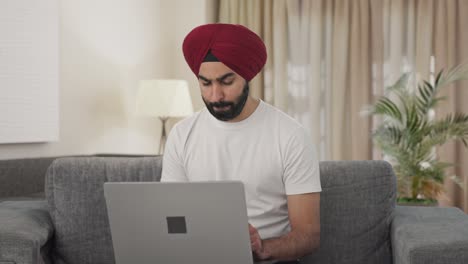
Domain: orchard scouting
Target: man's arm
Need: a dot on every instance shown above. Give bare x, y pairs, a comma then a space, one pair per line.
304, 237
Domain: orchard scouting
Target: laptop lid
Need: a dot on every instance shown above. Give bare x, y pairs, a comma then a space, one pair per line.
178, 223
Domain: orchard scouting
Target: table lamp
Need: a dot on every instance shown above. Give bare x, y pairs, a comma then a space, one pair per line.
163, 99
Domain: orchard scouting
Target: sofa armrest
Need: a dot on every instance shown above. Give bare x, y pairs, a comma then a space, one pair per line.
25, 232
429, 235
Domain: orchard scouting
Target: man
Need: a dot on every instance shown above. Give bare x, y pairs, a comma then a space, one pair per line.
238, 137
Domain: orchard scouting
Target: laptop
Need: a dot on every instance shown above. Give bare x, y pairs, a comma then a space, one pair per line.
178, 223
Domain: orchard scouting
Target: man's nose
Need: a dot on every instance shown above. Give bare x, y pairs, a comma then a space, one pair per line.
217, 93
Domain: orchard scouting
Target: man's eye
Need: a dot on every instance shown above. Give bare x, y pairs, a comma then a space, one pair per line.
227, 83
206, 83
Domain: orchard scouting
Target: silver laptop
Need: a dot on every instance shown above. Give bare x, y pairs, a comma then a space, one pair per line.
178, 223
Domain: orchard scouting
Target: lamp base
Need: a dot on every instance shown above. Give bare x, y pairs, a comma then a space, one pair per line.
162, 141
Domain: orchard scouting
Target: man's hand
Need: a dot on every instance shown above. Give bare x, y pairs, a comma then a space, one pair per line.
257, 244
302, 239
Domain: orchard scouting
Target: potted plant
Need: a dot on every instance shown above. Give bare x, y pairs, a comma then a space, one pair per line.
409, 133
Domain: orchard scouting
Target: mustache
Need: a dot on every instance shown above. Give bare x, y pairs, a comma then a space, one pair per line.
221, 104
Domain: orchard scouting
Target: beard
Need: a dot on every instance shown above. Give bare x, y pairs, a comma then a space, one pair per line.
234, 108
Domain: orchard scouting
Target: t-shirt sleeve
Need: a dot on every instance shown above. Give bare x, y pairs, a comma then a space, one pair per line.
172, 165
301, 166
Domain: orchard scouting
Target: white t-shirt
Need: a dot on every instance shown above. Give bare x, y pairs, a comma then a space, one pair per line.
269, 152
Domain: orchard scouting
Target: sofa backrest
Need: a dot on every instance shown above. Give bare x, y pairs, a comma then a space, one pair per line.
357, 205
356, 209
23, 177
74, 192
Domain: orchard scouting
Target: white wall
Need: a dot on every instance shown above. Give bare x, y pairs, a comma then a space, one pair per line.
29, 72
106, 47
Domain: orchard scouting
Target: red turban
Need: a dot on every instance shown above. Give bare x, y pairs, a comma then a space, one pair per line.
234, 45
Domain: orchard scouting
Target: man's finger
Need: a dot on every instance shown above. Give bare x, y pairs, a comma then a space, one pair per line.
255, 240
252, 230
255, 246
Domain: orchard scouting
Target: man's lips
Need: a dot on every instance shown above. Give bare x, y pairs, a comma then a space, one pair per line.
221, 108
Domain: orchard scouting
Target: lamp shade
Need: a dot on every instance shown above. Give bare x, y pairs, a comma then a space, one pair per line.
164, 98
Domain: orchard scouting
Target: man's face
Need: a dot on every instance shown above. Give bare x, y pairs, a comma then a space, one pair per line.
223, 91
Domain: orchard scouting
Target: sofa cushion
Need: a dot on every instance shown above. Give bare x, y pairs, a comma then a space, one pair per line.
74, 191
356, 210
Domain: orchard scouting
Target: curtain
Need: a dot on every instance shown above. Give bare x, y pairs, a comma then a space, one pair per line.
308, 73
329, 58
450, 40
426, 36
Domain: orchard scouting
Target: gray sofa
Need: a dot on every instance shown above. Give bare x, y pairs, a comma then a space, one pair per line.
359, 220
23, 179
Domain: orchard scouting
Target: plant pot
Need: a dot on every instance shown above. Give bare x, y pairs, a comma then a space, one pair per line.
405, 201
